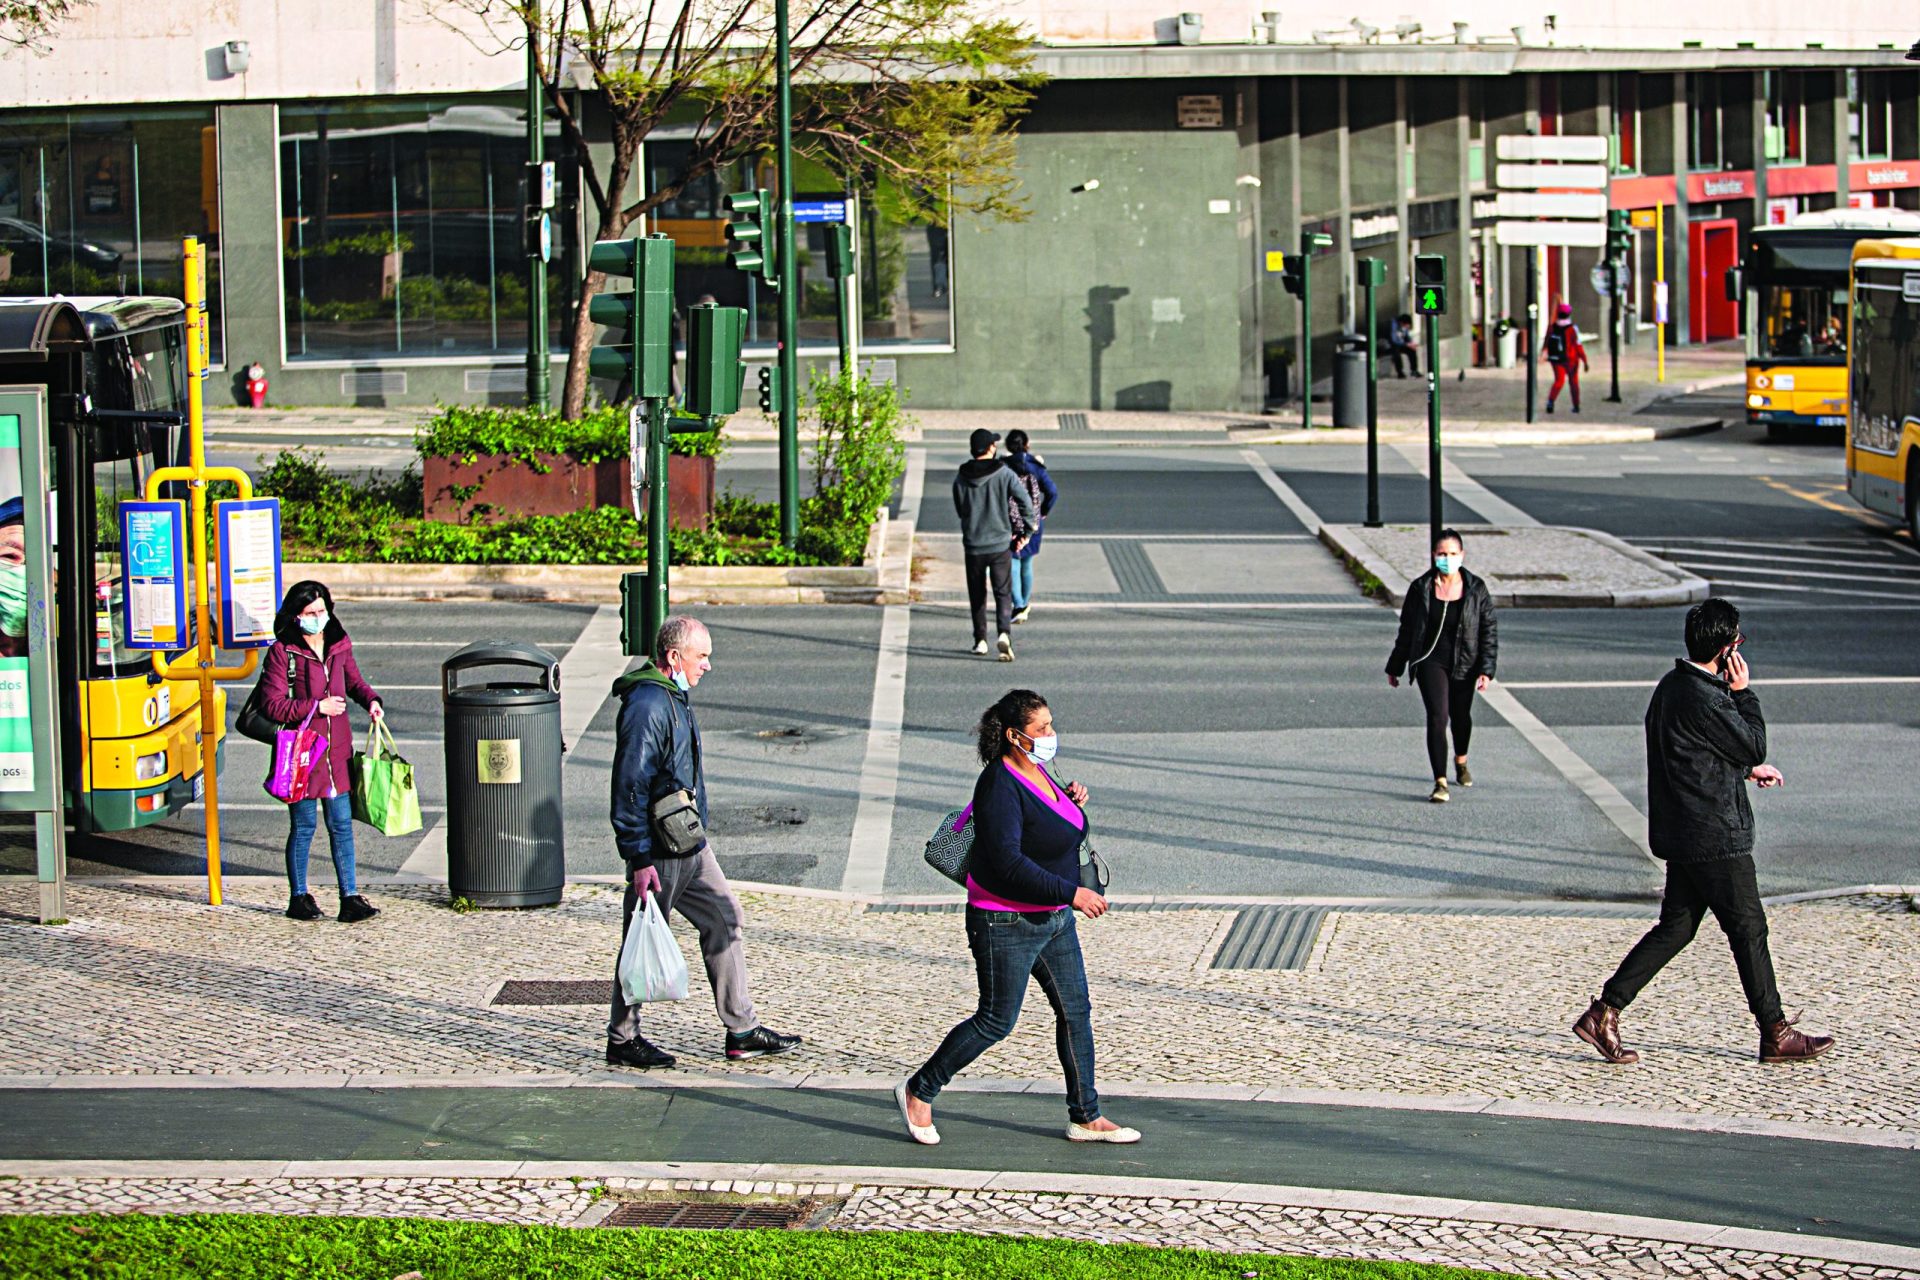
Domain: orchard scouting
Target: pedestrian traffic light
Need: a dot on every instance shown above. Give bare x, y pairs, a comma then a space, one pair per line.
640, 353
839, 251
714, 371
1619, 238
1430, 284
1293, 274
750, 215
770, 389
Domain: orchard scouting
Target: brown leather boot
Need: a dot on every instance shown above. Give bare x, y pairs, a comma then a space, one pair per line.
1781, 1043
1599, 1026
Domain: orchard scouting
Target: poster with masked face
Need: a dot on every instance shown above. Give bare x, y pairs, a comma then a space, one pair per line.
16, 707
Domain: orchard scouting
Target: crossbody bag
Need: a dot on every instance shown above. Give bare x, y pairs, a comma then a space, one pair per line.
675, 817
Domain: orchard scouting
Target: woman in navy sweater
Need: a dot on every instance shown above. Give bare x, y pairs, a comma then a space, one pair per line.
1023, 886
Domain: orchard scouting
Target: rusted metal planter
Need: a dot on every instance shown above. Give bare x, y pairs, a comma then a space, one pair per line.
495, 487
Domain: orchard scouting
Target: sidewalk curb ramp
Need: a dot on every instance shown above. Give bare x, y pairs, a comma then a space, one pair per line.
1349, 543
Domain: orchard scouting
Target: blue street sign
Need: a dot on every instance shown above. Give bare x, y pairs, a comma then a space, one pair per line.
819, 210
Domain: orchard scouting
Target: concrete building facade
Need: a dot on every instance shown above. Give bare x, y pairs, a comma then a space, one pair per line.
359, 176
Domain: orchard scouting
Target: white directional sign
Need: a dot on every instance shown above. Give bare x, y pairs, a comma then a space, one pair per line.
1550, 204
1520, 146
1577, 235
1578, 177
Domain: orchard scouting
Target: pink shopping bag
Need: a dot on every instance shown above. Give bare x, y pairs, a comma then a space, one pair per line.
295, 753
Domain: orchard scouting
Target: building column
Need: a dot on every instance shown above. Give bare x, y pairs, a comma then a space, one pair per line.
1842, 146
1757, 97
1402, 239
248, 139
1343, 310
1679, 280
1464, 289
1253, 395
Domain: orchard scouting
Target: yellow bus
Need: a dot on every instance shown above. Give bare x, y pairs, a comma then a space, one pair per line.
115, 369
1883, 412
1794, 282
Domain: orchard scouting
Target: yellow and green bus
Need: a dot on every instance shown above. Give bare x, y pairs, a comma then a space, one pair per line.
1883, 410
131, 744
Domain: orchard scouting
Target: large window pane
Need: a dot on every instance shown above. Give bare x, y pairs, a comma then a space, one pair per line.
403, 230
98, 202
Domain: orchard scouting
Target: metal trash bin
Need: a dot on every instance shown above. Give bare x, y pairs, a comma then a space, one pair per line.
1350, 383
506, 844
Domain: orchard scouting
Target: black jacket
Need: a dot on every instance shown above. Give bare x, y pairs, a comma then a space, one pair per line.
1476, 653
1022, 850
1702, 741
985, 494
656, 752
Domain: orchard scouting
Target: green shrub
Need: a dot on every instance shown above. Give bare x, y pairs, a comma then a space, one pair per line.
464, 432
858, 460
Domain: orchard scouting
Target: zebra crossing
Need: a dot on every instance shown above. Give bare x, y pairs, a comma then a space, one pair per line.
1867, 568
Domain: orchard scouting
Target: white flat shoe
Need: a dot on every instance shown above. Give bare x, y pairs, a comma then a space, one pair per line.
1080, 1133
924, 1134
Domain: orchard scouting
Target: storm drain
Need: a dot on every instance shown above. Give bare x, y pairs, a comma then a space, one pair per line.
1074, 422
595, 991
707, 1215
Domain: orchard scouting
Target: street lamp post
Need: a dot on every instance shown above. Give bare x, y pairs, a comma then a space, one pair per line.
534, 215
789, 303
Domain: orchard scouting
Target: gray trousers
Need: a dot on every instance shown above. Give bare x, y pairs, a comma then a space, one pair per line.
698, 890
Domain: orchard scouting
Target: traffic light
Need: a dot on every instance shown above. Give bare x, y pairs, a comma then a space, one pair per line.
642, 354
1619, 238
770, 389
1430, 284
754, 249
839, 251
1293, 274
714, 371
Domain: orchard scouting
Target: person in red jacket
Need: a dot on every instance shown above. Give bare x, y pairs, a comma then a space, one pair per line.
310, 668
1563, 350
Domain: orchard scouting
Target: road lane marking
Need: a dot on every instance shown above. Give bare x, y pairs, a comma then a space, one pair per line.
1786, 555
1605, 796
872, 839
1851, 592
1825, 503
1465, 489
1359, 602
1890, 577
1283, 491
1650, 681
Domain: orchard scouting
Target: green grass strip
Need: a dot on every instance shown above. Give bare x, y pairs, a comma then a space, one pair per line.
248, 1247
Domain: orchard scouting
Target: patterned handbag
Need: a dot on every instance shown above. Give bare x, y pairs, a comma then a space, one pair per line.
951, 848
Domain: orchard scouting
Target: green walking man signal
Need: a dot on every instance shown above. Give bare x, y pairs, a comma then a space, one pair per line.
1430, 284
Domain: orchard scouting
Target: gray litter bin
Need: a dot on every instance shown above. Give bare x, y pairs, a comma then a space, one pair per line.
506, 844
1350, 383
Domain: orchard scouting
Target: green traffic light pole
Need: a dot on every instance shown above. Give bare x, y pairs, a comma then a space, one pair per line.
1306, 333
1432, 336
537, 371
789, 303
1372, 272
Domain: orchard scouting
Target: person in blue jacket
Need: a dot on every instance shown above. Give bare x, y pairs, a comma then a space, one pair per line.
1023, 462
1023, 886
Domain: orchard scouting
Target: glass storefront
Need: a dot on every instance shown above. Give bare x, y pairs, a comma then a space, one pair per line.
97, 203
403, 230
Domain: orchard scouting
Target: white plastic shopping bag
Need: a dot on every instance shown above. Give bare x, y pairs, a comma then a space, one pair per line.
651, 966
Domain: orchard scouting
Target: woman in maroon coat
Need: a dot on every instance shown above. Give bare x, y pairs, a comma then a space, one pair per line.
310, 668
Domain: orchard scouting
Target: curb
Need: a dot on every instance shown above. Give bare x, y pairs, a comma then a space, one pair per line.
749, 1179
1465, 436
1353, 550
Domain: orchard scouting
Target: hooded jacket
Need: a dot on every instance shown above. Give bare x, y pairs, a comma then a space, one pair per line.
294, 680
1703, 739
981, 492
1475, 653
656, 751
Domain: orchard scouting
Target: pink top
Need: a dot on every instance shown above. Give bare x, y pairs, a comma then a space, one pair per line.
1060, 804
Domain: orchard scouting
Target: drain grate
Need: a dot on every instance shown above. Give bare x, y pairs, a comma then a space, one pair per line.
1074, 422
588, 991
707, 1215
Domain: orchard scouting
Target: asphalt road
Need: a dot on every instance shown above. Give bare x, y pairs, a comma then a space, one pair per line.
1731, 1179
1217, 683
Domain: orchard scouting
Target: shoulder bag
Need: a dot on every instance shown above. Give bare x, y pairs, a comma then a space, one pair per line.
253, 720
677, 829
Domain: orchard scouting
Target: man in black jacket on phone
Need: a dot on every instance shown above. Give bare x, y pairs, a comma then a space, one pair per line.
1705, 741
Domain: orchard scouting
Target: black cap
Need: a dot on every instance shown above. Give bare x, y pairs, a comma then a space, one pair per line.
980, 441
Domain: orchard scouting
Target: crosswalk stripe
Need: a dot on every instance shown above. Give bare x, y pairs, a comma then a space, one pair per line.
1821, 574
1825, 591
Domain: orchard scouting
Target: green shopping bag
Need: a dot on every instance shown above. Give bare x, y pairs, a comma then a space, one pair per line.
383, 792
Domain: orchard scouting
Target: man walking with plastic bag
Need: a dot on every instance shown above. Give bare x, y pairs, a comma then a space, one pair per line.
659, 824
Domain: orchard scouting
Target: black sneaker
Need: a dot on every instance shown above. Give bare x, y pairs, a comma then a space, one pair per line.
355, 909
758, 1043
301, 906
639, 1053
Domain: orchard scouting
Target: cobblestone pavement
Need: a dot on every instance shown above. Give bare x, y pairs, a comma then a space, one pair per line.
147, 980
1544, 1253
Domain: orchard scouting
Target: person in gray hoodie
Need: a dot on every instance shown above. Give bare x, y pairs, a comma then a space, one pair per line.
985, 495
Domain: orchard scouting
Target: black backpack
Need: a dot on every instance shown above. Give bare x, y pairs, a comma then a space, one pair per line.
1557, 343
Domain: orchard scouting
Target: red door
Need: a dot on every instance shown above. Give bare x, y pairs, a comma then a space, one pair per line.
1714, 248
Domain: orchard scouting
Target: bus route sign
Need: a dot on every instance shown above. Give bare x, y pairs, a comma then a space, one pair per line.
153, 574
249, 535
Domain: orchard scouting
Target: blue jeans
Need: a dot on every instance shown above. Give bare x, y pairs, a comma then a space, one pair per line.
1023, 581
1009, 947
304, 815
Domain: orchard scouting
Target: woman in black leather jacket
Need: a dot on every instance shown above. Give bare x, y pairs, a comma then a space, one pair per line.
1450, 639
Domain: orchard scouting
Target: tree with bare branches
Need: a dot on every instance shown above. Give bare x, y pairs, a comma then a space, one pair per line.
915, 97
26, 24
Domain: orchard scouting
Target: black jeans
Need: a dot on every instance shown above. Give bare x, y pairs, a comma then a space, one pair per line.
1008, 948
1398, 353
1727, 888
1000, 565
1449, 704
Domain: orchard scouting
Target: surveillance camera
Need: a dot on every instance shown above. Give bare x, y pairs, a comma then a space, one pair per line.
238, 56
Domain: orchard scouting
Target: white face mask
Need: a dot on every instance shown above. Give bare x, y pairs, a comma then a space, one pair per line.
1043, 749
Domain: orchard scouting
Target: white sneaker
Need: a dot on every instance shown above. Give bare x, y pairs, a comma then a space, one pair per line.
980, 647
1006, 648
1080, 1133
924, 1134
1021, 616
